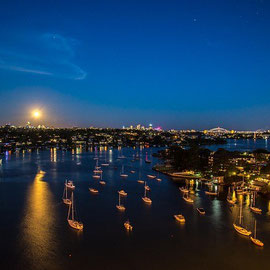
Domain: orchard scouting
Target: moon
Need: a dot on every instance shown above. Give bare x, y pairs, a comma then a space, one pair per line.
36, 114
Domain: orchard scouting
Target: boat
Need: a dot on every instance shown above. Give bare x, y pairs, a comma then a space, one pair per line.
106, 164
253, 207
254, 239
146, 186
146, 158
120, 155
137, 156
158, 179
210, 192
239, 228
180, 218
123, 172
119, 206
145, 198
151, 176
70, 218
184, 190
122, 193
140, 177
102, 182
128, 226
97, 171
96, 176
93, 190
65, 198
201, 211
187, 198
69, 184
132, 171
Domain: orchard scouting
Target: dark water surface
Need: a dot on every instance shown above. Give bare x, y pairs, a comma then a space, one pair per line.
34, 233
242, 145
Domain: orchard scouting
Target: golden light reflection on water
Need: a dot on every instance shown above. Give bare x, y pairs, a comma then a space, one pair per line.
38, 226
53, 154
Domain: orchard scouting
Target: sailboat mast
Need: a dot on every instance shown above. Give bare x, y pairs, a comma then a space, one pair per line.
69, 207
72, 213
240, 215
119, 199
64, 193
255, 229
145, 189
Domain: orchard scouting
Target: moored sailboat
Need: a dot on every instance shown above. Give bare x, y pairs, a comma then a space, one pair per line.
123, 172
145, 198
119, 206
102, 182
69, 184
70, 218
253, 207
239, 227
187, 198
254, 239
65, 198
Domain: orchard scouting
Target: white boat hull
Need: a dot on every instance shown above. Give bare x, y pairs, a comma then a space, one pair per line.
75, 224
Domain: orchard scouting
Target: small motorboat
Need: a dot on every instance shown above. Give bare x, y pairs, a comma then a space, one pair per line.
211, 193
97, 171
69, 184
147, 200
122, 193
180, 218
151, 176
93, 190
201, 211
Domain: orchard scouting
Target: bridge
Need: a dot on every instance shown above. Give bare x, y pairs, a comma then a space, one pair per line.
218, 130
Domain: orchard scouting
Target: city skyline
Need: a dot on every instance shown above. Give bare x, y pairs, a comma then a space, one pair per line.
178, 65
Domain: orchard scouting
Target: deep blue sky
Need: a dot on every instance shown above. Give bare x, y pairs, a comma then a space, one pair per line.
177, 64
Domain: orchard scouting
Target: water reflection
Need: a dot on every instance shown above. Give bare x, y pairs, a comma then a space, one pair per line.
38, 226
53, 155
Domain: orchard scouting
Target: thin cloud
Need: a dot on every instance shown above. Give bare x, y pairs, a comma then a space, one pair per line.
47, 54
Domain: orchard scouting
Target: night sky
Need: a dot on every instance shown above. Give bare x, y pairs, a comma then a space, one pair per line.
176, 64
